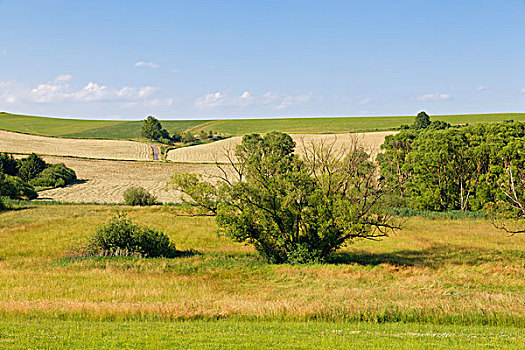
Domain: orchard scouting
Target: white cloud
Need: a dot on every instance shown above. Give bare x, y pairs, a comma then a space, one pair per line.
522, 90
482, 88
223, 99
433, 97
211, 100
146, 64
59, 90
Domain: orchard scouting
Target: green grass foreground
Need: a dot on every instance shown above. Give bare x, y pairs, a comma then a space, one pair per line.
76, 128
48, 333
438, 283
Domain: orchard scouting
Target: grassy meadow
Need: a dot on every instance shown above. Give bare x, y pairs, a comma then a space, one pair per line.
49, 333
438, 283
76, 128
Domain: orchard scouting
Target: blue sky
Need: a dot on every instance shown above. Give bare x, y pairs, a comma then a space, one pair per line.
232, 59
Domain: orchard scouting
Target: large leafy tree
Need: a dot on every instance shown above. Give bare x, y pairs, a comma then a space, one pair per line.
292, 209
422, 121
152, 129
508, 210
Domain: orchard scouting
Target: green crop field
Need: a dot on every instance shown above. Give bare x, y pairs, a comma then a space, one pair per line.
77, 128
438, 283
340, 125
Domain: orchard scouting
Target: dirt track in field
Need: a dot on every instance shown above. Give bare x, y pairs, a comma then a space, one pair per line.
103, 149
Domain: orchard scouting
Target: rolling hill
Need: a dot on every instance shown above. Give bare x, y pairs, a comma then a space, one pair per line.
100, 129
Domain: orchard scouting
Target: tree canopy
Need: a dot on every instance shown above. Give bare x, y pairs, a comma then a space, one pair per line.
294, 209
152, 129
456, 168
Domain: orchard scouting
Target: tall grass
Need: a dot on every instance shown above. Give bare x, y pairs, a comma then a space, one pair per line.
438, 270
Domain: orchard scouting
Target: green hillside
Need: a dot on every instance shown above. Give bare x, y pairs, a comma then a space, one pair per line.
339, 125
77, 128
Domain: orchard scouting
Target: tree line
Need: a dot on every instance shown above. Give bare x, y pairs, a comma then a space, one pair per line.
20, 178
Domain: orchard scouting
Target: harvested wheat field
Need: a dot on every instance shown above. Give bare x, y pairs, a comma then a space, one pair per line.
217, 151
104, 181
101, 149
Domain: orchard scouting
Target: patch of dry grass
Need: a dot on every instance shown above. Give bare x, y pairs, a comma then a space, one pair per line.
432, 271
101, 149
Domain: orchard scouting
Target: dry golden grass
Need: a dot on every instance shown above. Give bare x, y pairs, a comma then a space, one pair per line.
216, 151
102, 149
433, 270
104, 181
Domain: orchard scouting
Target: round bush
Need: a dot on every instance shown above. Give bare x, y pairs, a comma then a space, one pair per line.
139, 196
120, 236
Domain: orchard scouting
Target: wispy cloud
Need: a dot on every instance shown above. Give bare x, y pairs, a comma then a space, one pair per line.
62, 78
294, 100
365, 101
482, 88
146, 64
211, 100
522, 90
433, 97
224, 99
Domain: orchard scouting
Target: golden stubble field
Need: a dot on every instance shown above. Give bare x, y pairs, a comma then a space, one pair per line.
104, 181
217, 151
101, 149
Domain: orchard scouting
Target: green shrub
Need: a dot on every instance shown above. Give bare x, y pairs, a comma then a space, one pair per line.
13, 187
56, 175
120, 236
139, 196
30, 167
8, 165
3, 207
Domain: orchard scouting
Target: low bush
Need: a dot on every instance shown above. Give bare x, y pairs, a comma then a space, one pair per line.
121, 237
139, 196
56, 175
13, 187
